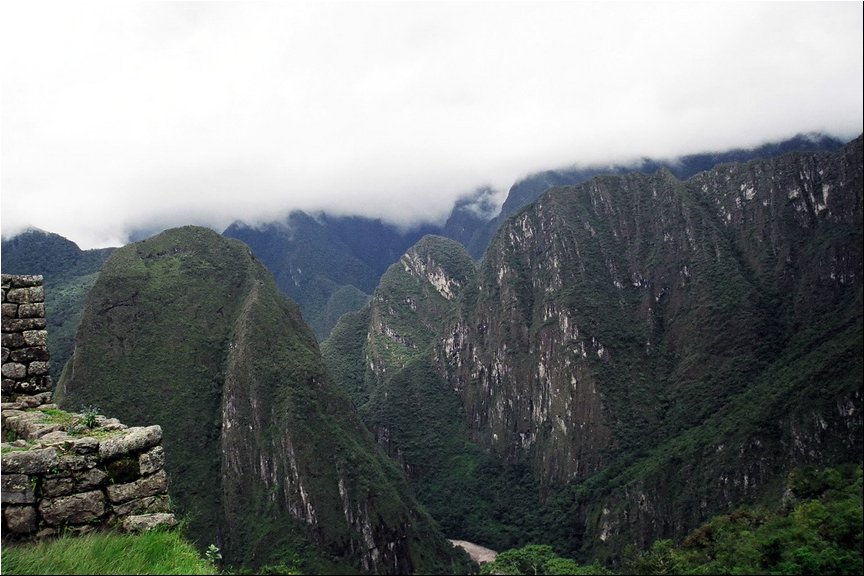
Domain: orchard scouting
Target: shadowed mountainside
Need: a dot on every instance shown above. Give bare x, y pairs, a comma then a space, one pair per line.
69, 274
651, 351
188, 329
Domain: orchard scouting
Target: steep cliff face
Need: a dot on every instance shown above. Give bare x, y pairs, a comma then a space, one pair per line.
268, 459
652, 350
675, 291
671, 348
794, 222
595, 307
795, 225
385, 357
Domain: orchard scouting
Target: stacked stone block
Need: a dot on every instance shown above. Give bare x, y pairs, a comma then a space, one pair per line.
25, 340
64, 471
58, 475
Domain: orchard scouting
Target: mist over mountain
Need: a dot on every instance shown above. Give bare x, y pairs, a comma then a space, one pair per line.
330, 264
171, 114
633, 354
531, 187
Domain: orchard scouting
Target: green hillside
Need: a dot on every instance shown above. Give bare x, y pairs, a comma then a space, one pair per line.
69, 274
384, 356
188, 330
815, 528
636, 353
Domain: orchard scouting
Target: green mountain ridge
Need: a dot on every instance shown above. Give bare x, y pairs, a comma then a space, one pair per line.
634, 355
327, 264
69, 274
385, 357
266, 457
529, 189
330, 264
646, 352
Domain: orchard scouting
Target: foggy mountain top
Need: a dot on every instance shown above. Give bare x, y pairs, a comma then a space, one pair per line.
123, 116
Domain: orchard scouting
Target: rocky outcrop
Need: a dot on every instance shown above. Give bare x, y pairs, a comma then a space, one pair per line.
415, 297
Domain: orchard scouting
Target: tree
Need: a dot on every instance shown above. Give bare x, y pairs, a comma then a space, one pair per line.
537, 559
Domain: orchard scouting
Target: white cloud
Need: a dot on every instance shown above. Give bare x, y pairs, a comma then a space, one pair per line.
122, 115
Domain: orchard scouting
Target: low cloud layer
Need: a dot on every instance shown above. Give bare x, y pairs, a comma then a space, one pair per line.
121, 116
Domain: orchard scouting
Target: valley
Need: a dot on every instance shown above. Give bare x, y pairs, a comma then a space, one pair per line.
619, 358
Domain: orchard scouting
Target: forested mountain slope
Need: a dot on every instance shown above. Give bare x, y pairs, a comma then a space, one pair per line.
69, 274
328, 265
654, 351
266, 457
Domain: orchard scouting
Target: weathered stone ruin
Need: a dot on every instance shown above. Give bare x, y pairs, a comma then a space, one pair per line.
62, 470
25, 340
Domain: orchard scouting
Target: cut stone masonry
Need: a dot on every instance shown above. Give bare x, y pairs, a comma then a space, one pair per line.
25, 340
62, 470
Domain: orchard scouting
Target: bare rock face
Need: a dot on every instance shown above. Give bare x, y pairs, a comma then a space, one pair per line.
20, 519
133, 440
145, 522
74, 509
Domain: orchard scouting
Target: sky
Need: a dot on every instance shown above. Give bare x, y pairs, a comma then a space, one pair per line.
120, 116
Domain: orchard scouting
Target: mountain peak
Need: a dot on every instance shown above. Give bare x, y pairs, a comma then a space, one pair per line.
188, 330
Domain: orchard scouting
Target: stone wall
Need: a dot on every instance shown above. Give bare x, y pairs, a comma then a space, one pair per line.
59, 472
63, 471
25, 340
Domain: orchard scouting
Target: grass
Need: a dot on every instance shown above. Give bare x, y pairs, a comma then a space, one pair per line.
100, 433
155, 552
7, 449
54, 416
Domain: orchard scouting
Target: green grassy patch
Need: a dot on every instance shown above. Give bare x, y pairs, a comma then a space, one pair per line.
53, 416
155, 552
